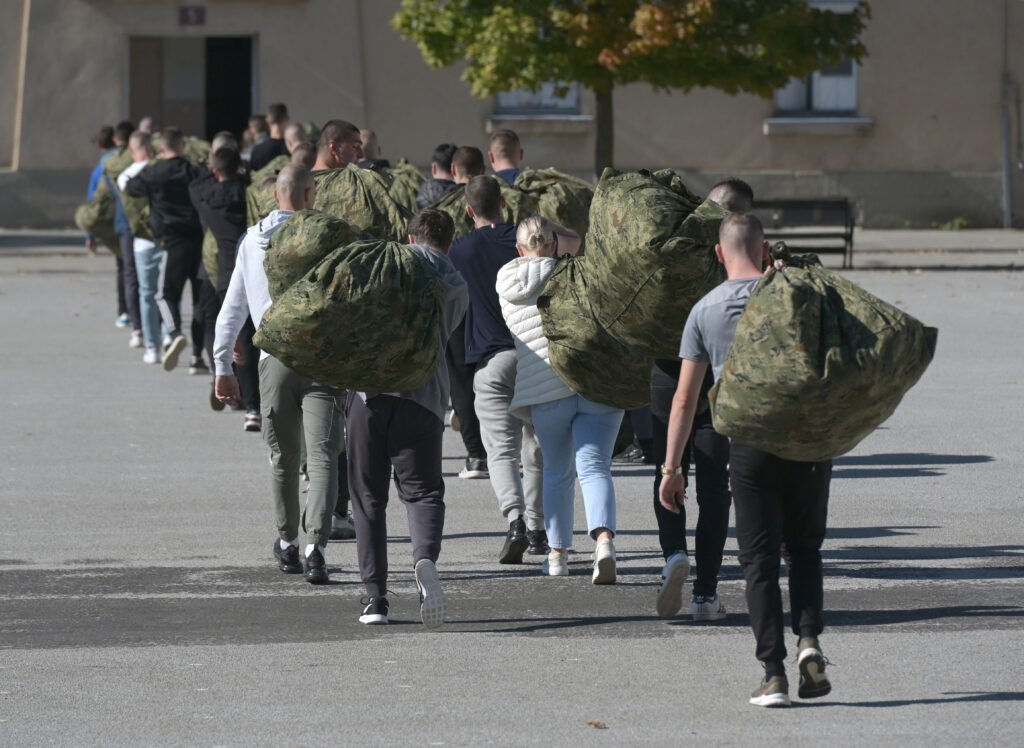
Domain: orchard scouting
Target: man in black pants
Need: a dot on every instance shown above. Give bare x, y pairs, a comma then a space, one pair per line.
710, 453
176, 228
781, 505
402, 432
461, 375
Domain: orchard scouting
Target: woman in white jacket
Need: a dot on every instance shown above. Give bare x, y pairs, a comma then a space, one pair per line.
576, 435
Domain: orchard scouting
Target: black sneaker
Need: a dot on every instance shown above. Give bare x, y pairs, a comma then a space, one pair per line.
198, 366
316, 567
376, 611
476, 468
516, 543
287, 558
538, 540
813, 681
773, 692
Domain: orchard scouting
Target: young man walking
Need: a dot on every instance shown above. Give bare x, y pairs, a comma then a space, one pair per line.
781, 505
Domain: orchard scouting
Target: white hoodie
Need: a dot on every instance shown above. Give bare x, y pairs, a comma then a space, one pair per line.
520, 283
248, 293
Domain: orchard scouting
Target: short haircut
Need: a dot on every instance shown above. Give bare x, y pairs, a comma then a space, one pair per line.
292, 181
227, 161
295, 133
470, 161
443, 155
336, 129
742, 232
484, 196
140, 139
371, 145
277, 113
105, 137
123, 130
432, 228
172, 138
733, 194
258, 123
504, 144
224, 139
305, 154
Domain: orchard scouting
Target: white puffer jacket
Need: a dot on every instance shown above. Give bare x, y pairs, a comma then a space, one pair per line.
520, 283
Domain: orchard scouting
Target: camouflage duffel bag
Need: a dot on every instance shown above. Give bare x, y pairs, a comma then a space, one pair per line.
259, 195
302, 242
405, 183
560, 197
367, 318
96, 218
211, 259
585, 356
651, 245
360, 196
816, 365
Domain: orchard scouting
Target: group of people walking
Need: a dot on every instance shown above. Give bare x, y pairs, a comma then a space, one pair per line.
524, 427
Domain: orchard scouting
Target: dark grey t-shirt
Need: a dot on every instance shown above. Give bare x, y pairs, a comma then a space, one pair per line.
711, 325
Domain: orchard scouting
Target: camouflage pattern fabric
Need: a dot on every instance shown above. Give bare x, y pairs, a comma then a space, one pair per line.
518, 206
196, 150
136, 209
259, 195
96, 217
405, 181
816, 365
585, 355
312, 132
560, 197
305, 239
367, 318
360, 197
116, 163
651, 247
210, 259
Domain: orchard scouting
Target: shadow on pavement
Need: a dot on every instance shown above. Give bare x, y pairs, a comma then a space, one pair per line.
954, 697
901, 465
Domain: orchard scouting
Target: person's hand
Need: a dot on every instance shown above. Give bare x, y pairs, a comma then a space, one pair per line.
238, 355
90, 245
226, 389
672, 492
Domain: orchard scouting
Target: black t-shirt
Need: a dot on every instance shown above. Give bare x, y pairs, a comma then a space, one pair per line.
479, 255
266, 151
221, 208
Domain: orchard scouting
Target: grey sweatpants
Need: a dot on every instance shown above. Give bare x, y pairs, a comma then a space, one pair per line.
506, 439
292, 406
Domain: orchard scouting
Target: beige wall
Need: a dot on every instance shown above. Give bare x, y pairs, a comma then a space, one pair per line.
10, 53
931, 85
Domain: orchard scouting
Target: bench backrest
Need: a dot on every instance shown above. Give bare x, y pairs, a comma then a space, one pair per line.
810, 212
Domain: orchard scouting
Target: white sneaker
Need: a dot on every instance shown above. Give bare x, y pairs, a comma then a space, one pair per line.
555, 565
708, 608
432, 604
151, 356
604, 563
673, 577
135, 341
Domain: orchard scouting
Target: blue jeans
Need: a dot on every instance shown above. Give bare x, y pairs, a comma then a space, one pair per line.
576, 438
147, 266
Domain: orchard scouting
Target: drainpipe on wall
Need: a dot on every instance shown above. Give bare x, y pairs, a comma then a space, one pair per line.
1007, 86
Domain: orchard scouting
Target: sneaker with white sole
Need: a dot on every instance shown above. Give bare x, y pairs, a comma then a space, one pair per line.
475, 469
122, 321
555, 565
432, 604
813, 681
151, 356
670, 592
604, 563
708, 608
135, 339
173, 351
376, 611
773, 692
253, 421
342, 527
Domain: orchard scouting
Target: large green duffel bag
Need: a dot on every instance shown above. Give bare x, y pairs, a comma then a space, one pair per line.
360, 197
302, 242
560, 197
367, 318
651, 246
211, 258
259, 195
583, 353
96, 217
518, 206
405, 180
816, 365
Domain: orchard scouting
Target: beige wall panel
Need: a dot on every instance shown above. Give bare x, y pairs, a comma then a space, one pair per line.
10, 51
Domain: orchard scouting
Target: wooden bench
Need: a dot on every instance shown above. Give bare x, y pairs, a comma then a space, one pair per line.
822, 226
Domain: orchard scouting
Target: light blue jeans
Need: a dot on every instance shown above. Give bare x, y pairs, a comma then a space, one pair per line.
147, 266
576, 438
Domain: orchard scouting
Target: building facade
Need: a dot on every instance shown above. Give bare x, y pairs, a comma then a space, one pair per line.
924, 132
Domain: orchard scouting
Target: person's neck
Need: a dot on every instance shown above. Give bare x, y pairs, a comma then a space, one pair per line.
504, 165
276, 132
480, 222
322, 164
743, 271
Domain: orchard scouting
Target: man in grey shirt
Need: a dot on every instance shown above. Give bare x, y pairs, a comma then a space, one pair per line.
781, 505
401, 432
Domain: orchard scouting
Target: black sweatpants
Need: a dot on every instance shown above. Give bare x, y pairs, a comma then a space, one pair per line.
781, 510
388, 432
182, 258
710, 453
128, 282
460, 374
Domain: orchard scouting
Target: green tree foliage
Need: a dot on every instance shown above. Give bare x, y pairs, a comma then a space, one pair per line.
752, 46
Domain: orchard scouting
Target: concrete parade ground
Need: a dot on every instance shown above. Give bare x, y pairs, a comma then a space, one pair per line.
140, 605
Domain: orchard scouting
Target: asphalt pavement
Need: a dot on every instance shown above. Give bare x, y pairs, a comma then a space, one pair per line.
140, 605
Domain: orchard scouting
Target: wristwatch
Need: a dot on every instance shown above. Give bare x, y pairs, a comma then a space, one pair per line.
666, 470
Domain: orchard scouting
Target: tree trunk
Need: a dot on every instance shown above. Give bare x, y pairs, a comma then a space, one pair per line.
604, 141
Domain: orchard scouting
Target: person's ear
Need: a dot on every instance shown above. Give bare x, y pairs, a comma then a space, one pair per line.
412, 239
434, 170
503, 203
277, 198
490, 156
309, 195
519, 249
718, 253
470, 212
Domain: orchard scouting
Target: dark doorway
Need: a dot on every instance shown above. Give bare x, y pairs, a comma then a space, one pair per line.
228, 83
